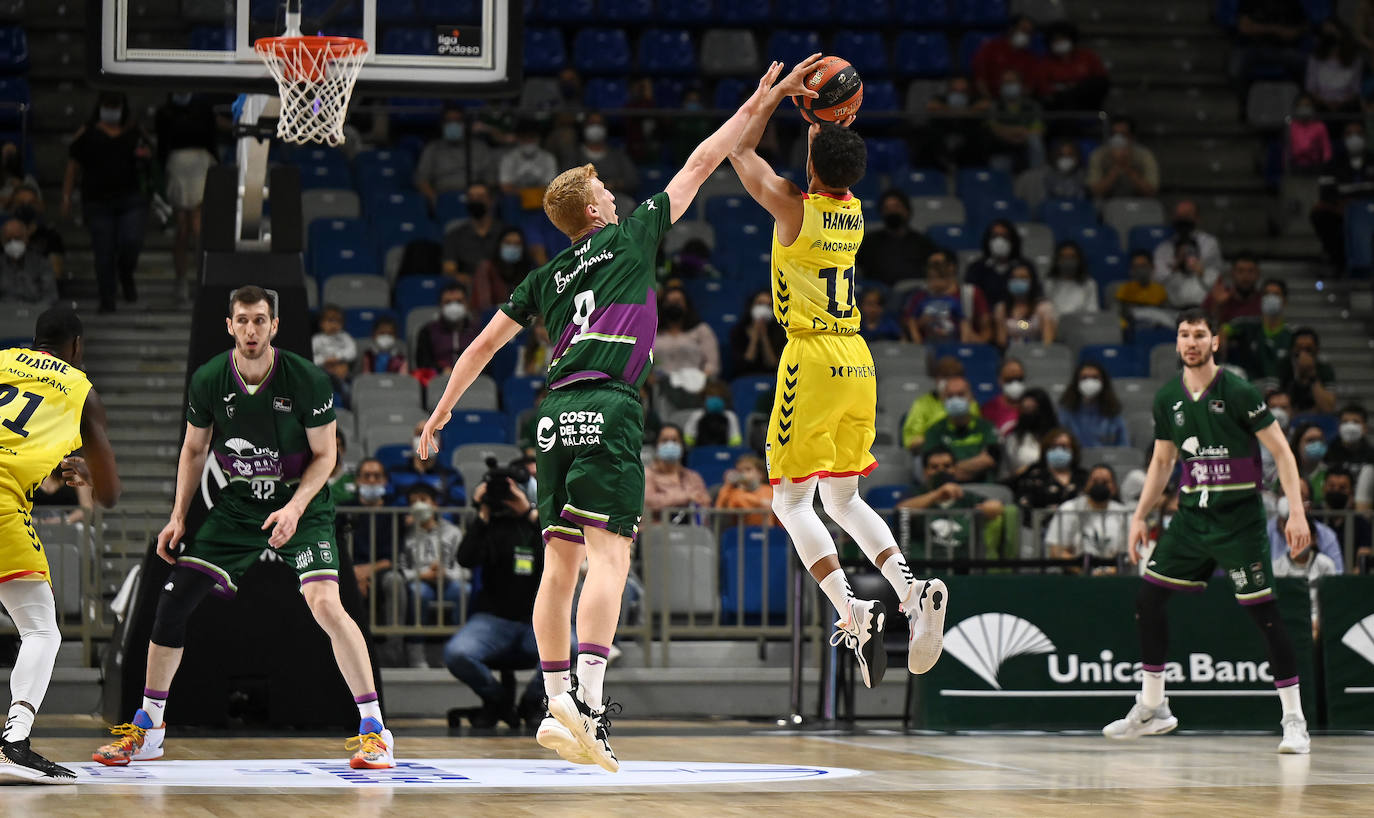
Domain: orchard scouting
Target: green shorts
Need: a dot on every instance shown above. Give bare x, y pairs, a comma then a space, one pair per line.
227, 545
590, 473
1198, 540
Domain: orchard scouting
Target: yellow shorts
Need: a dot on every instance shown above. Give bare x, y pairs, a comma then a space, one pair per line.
21, 554
824, 410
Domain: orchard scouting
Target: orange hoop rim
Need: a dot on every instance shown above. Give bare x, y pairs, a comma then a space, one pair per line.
309, 42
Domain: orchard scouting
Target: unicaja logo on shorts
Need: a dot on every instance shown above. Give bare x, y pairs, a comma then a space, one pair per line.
1360, 638
983, 642
545, 434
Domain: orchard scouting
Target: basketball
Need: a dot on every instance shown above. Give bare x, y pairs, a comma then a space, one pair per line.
840, 89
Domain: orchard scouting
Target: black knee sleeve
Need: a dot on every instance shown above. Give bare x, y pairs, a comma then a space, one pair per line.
1283, 659
1152, 623
180, 596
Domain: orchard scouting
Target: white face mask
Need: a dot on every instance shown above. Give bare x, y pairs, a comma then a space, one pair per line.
595, 133
1281, 508
1020, 39
1280, 416
1061, 47
761, 312
1011, 91
14, 248
385, 341
1014, 389
454, 311
1354, 143
1119, 141
1066, 164
1000, 246
1351, 432
1089, 387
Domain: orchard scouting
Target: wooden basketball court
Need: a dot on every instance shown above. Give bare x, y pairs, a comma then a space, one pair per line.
870, 771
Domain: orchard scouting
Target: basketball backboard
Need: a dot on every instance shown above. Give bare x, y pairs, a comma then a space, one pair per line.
418, 47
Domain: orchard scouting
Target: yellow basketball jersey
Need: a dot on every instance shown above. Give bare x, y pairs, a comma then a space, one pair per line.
813, 278
41, 398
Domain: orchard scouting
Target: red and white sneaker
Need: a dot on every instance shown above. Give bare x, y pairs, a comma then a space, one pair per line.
372, 751
134, 744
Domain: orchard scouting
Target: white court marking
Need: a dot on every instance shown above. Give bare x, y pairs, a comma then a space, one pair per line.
461, 773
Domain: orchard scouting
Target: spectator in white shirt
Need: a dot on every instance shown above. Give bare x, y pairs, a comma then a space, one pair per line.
454, 160
527, 166
1069, 287
333, 349
1167, 260
1093, 522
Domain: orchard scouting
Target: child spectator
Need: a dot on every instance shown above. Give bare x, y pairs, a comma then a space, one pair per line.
383, 352
746, 487
715, 424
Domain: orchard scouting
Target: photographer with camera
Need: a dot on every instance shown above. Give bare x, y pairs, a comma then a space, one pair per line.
502, 546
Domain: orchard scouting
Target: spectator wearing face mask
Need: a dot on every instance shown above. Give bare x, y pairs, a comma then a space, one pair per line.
943, 311
475, 239
427, 569
1063, 177
1016, 127
1070, 289
26, 205
333, 350
1025, 315
614, 167
1122, 167
1091, 409
343, 483
1053, 479
1307, 142
893, 252
1281, 407
1003, 410
715, 424
25, 275
1011, 51
1035, 418
875, 324
668, 483
1001, 251
1141, 299
1321, 558
1309, 450
1347, 178
383, 352
1237, 295
1338, 496
686, 352
501, 272
966, 511
955, 135
1351, 450
973, 440
441, 341
1307, 378
374, 535
756, 341
1072, 76
1334, 73
1204, 251
527, 169
1094, 522
453, 161
1261, 347
929, 409
746, 488
446, 482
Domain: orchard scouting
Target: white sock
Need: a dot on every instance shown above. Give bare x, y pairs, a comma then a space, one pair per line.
899, 576
591, 672
1289, 697
156, 708
370, 710
1152, 689
836, 587
557, 682
30, 604
19, 723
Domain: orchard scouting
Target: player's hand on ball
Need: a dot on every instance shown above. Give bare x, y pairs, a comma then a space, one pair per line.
283, 524
168, 538
429, 437
1136, 539
74, 471
1299, 535
794, 84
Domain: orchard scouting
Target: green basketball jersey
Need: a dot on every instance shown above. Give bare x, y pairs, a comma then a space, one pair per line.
597, 299
1215, 436
259, 435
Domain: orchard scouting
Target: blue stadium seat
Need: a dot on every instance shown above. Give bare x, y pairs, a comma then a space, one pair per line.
986, 183
746, 390
385, 157
1148, 236
404, 40
924, 13
924, 182
342, 254
803, 12
314, 177
1106, 271
624, 11
450, 206
880, 95
865, 51
691, 12
375, 181
601, 51
731, 91
954, 236
667, 51
1096, 240
353, 12
1359, 237
389, 233
14, 49
569, 11
606, 92
319, 229
518, 393
417, 291
886, 155
544, 51
1119, 360
885, 497
877, 13
791, 47
1065, 216
921, 54
985, 390
985, 13
212, 38
756, 12
398, 205
1329, 424
668, 91
969, 45
752, 559
13, 90
471, 426
722, 323
980, 360
742, 246
981, 212
393, 456
712, 462
358, 321
725, 209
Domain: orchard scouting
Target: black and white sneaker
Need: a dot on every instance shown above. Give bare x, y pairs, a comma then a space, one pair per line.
20, 764
590, 727
864, 635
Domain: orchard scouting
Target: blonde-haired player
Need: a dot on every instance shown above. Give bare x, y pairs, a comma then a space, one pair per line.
823, 416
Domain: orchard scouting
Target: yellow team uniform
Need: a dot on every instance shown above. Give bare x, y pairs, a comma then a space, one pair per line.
827, 394
41, 398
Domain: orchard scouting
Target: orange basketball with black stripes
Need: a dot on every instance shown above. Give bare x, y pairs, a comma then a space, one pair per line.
840, 91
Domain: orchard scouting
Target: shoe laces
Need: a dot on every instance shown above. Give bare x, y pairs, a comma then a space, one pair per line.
850, 640
367, 743
603, 719
129, 734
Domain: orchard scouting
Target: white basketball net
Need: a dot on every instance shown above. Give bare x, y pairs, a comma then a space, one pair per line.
315, 77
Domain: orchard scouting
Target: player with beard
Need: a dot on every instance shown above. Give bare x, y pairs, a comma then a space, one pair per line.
1216, 419
267, 414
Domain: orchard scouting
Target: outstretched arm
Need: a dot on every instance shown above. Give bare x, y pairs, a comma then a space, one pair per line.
713, 150
499, 331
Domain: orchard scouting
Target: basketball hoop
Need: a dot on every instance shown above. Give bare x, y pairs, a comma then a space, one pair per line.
315, 77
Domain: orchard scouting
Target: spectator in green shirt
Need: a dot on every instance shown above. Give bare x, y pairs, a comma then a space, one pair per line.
929, 409
940, 490
1308, 379
972, 439
1260, 345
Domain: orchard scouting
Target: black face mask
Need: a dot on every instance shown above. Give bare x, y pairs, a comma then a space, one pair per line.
893, 221
1184, 227
940, 478
1337, 499
673, 312
1099, 492
477, 210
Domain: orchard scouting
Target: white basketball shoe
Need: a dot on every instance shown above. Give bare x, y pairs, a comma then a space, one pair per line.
1142, 721
1295, 738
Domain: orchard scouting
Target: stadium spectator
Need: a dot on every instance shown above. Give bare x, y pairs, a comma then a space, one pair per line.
1307, 141
425, 565
26, 205
1309, 449
502, 271
1070, 289
342, 483
614, 167
1269, 34
1324, 539
1281, 407
334, 350
686, 352
110, 156
1337, 499
1091, 409
1053, 479
25, 275
1072, 77
956, 135
945, 312
1351, 450
715, 423
446, 482
454, 161
1034, 419
1237, 295
747, 488
186, 147
1003, 410
1308, 379
474, 240
1123, 167
13, 175
384, 352
668, 483
503, 542
894, 252
1190, 281
1017, 126
1001, 250
644, 134
1260, 346
688, 131
757, 339
1012, 51
442, 340
1140, 298
929, 409
1025, 315
1062, 177
1334, 73
1094, 522
971, 438
374, 534
875, 324
1347, 178
1203, 247
968, 511
1310, 565
527, 168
